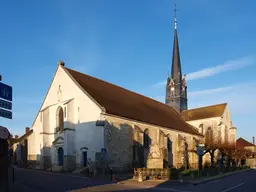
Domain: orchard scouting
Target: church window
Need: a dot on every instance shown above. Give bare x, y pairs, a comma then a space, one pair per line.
146, 139
65, 112
201, 128
169, 143
209, 136
78, 114
59, 119
161, 139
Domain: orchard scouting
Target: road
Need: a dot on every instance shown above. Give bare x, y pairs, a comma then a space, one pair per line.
32, 180
240, 182
38, 181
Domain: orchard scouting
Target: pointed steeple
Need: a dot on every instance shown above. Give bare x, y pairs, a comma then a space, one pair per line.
176, 66
176, 88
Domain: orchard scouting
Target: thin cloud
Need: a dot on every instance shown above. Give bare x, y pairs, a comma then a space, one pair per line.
209, 91
227, 66
239, 101
211, 71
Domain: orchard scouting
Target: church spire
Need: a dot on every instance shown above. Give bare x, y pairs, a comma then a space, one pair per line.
176, 88
176, 66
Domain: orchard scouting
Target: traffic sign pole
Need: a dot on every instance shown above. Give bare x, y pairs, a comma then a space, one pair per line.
5, 100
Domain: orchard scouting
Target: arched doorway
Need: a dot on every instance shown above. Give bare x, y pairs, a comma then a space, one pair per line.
60, 156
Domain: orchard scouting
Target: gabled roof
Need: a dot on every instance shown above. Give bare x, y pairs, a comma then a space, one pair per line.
124, 103
204, 112
25, 135
241, 142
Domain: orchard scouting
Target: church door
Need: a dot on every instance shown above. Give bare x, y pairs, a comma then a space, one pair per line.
60, 156
85, 158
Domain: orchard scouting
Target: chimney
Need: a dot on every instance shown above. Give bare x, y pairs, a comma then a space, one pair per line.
61, 63
27, 129
16, 137
253, 140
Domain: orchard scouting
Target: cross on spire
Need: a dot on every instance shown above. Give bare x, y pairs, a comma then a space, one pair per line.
175, 10
175, 20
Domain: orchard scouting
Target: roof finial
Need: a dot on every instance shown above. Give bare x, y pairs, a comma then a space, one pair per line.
175, 20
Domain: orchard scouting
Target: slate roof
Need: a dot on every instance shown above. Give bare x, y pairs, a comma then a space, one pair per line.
204, 112
241, 142
124, 103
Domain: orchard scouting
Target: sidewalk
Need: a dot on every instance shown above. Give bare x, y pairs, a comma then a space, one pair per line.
155, 183
220, 176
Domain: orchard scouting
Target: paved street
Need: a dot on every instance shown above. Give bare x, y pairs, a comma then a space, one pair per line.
35, 181
30, 180
241, 182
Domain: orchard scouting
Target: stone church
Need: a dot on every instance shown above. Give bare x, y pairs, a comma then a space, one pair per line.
82, 116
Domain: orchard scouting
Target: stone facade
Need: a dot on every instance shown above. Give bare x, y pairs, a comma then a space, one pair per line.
69, 162
217, 129
125, 143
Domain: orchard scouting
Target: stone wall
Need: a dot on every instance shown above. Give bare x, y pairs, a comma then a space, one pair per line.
69, 163
119, 145
121, 136
251, 162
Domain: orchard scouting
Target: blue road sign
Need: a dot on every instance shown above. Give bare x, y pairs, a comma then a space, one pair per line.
5, 114
5, 92
5, 104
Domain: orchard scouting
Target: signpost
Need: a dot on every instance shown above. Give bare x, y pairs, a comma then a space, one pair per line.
5, 100
5, 107
5, 92
5, 104
200, 153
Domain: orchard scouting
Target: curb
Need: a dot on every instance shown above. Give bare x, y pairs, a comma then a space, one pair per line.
134, 182
212, 179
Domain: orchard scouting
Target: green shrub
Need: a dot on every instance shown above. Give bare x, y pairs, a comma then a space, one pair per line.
189, 172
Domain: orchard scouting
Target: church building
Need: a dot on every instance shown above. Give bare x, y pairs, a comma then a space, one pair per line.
82, 116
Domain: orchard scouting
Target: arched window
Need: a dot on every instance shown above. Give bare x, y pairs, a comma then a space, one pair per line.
169, 143
59, 119
201, 126
226, 134
161, 139
209, 136
146, 138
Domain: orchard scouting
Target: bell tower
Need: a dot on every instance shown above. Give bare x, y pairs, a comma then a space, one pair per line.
176, 88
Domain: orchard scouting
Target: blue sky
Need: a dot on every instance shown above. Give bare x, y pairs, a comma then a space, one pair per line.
129, 43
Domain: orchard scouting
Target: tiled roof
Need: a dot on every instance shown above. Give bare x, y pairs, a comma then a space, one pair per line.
124, 103
204, 112
241, 142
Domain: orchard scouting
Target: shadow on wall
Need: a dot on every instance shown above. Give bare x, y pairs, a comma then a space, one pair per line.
126, 147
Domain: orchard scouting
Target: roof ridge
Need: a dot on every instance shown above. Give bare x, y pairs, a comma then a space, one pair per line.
122, 102
205, 107
248, 142
125, 89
